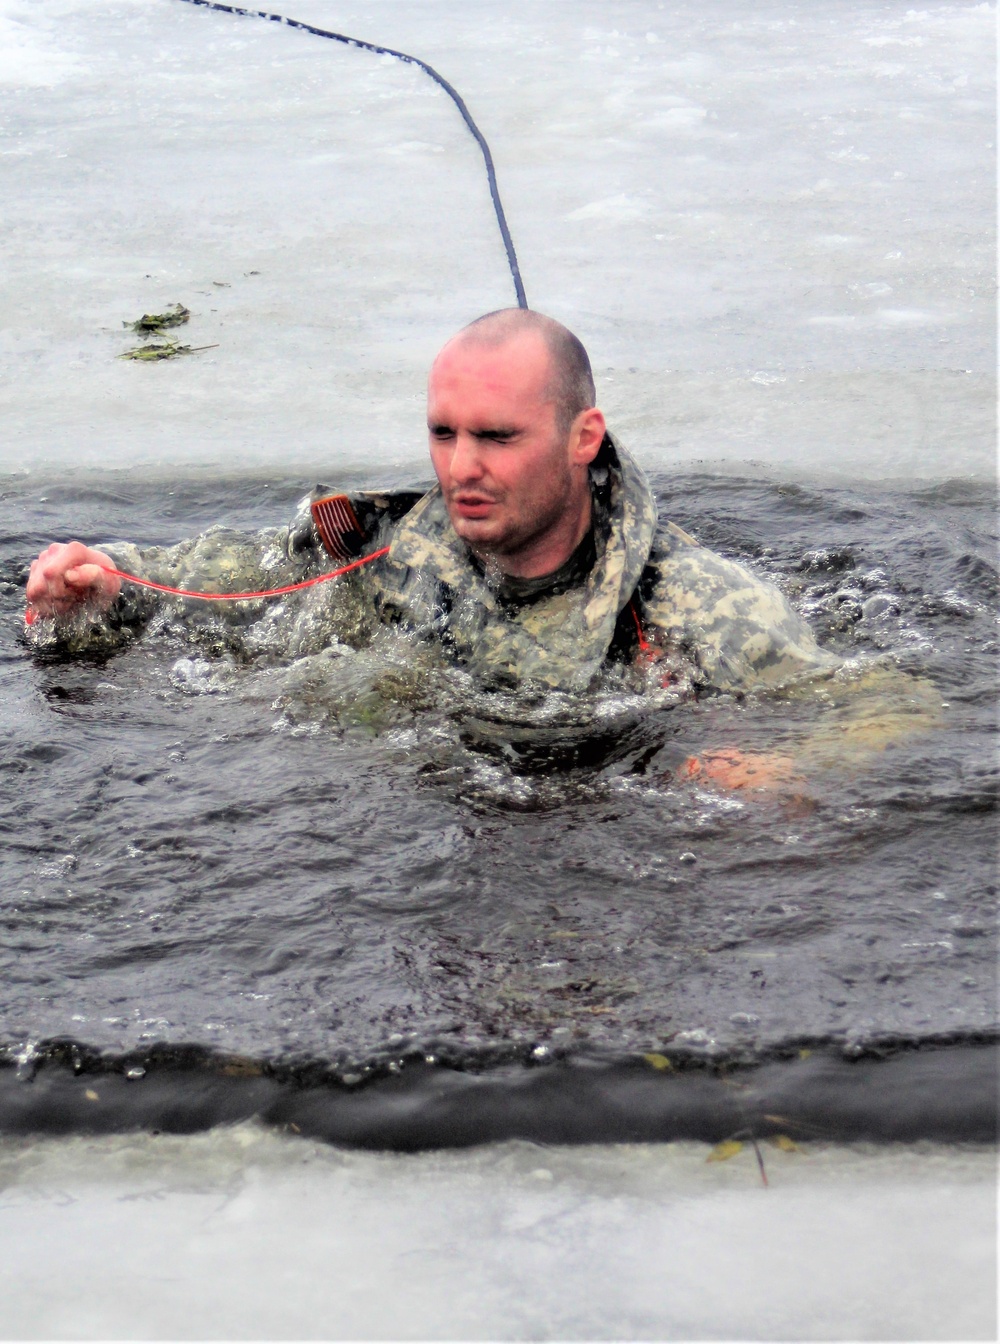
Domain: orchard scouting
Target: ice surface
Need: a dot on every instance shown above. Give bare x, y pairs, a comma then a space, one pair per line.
240, 1234
772, 224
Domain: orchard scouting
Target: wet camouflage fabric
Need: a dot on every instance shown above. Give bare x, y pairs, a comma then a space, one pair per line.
740, 629
728, 627
561, 641
736, 629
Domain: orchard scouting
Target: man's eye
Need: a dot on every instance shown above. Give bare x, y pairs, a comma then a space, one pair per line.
441, 432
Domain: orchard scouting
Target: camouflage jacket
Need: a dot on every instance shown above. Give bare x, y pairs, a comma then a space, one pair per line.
728, 627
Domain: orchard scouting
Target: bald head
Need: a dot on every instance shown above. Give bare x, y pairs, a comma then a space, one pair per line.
513, 430
570, 383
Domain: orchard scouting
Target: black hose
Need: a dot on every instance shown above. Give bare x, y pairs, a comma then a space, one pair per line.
452, 93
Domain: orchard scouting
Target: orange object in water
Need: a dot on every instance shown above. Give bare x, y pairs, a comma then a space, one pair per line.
730, 768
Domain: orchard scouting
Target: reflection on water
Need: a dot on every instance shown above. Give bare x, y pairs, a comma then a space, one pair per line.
208, 839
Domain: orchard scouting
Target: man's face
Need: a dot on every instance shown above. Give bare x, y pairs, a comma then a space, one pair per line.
508, 475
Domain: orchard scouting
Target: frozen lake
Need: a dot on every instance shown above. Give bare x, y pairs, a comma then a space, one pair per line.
244, 1235
773, 225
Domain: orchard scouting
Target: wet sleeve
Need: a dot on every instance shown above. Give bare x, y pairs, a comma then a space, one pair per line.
222, 560
225, 561
868, 706
740, 630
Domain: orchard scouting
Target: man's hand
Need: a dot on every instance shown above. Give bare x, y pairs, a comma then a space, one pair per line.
755, 771
66, 576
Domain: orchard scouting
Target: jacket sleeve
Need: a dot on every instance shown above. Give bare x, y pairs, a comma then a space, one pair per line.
226, 561
219, 560
739, 629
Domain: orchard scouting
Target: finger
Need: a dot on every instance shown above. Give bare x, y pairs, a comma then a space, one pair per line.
46, 587
85, 576
52, 566
35, 586
42, 588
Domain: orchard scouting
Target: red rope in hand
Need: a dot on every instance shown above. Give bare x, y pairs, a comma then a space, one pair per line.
31, 615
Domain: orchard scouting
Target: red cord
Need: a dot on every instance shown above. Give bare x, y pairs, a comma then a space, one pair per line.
31, 614
644, 644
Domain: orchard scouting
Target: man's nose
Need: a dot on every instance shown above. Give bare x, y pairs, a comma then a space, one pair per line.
466, 460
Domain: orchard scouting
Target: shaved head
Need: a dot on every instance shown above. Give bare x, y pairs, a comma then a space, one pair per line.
513, 430
571, 381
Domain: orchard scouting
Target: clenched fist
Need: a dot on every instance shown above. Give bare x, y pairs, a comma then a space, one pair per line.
67, 575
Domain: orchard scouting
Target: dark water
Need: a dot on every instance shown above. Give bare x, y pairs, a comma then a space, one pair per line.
379, 887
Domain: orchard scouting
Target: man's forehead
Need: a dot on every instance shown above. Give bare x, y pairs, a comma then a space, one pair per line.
518, 366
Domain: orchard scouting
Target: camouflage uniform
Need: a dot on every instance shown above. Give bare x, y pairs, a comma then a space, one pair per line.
723, 624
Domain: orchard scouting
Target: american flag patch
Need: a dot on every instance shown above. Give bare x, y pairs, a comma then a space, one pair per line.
338, 527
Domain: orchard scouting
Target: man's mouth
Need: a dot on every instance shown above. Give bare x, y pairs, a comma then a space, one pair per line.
469, 505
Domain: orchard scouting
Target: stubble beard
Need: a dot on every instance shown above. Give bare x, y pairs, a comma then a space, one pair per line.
531, 522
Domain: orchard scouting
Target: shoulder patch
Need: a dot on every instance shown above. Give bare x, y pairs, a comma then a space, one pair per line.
338, 527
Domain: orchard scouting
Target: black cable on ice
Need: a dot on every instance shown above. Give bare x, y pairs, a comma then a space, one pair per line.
452, 93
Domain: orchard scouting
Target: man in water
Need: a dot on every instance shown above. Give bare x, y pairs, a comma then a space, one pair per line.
536, 557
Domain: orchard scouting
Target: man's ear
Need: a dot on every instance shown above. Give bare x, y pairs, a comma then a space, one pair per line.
586, 436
